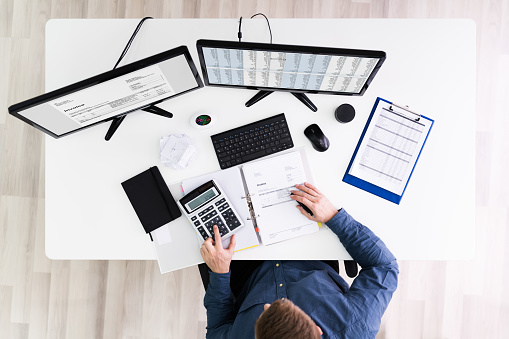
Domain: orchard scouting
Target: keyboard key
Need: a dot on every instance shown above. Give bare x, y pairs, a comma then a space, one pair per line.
253, 156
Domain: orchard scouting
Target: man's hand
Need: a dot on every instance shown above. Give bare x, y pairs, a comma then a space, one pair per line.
309, 195
215, 256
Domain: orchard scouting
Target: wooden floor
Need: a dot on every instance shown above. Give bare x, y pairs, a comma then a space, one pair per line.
40, 298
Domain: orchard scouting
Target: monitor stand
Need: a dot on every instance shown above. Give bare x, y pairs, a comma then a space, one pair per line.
118, 120
301, 96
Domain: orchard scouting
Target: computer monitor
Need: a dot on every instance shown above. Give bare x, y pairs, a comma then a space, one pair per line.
292, 68
112, 95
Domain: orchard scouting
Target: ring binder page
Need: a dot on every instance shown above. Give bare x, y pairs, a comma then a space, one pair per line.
269, 183
260, 192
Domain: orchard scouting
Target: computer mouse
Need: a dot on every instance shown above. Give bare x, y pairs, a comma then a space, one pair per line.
319, 141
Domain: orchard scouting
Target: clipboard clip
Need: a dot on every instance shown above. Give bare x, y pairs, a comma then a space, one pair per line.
398, 109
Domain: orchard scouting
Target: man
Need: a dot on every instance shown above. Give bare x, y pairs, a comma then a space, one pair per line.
301, 299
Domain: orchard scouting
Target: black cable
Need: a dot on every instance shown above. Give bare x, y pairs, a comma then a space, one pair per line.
270, 31
118, 119
124, 52
239, 34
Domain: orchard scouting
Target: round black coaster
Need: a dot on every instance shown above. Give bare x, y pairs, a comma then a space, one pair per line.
345, 113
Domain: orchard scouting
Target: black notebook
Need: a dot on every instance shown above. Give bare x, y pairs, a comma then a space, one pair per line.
151, 199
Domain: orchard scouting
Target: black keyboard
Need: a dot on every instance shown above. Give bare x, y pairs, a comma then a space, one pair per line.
252, 141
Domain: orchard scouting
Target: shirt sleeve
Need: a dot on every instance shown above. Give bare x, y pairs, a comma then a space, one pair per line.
219, 304
372, 289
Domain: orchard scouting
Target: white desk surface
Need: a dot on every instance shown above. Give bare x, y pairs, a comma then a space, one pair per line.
430, 66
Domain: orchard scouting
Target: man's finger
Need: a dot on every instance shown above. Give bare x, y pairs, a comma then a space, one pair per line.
233, 242
305, 199
217, 236
307, 190
316, 190
300, 195
306, 214
208, 245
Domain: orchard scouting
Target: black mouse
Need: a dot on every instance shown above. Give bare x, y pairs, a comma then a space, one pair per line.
319, 141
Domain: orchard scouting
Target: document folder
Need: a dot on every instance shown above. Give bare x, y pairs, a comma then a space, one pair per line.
388, 150
151, 199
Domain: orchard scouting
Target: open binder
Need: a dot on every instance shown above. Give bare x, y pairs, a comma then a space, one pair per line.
388, 150
260, 192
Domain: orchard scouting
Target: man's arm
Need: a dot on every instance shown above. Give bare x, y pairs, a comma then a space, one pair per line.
372, 289
218, 300
219, 304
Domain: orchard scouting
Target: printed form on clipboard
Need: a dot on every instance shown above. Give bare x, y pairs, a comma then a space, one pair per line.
388, 150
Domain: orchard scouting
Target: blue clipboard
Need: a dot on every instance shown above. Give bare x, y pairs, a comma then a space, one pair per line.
372, 188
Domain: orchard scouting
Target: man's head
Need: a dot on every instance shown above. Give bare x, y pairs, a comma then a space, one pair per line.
283, 319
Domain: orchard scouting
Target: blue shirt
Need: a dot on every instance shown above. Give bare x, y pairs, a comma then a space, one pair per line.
341, 311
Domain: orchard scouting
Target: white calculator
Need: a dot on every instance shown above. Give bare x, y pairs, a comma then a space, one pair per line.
207, 206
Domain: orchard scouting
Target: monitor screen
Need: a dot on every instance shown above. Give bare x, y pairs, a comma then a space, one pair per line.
111, 94
303, 69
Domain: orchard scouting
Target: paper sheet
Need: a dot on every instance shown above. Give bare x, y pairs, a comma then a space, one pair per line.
269, 182
176, 151
162, 235
389, 149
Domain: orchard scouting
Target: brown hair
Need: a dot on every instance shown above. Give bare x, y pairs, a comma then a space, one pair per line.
284, 319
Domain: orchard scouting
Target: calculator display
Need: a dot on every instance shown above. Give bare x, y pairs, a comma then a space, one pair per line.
203, 198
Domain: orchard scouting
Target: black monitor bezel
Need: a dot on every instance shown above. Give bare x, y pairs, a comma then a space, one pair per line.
200, 44
100, 78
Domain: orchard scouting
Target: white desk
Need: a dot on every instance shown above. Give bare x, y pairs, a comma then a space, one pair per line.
430, 66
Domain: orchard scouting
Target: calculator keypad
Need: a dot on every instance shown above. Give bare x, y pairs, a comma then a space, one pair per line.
210, 216
220, 225
202, 232
220, 202
231, 219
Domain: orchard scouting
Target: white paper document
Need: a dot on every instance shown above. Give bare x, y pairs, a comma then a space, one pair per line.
269, 183
162, 235
390, 149
176, 151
